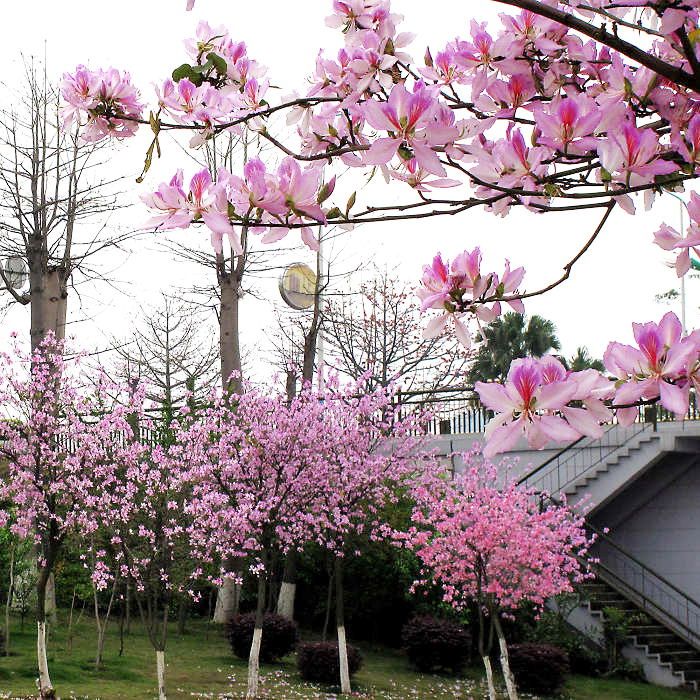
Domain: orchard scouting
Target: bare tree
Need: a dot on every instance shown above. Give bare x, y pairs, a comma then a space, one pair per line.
171, 349
54, 210
379, 331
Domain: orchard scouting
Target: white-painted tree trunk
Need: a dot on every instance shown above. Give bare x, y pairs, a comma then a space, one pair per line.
160, 671
254, 664
45, 687
489, 677
225, 598
343, 658
285, 602
505, 667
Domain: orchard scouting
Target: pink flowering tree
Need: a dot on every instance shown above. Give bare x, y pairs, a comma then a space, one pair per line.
490, 543
142, 508
257, 469
58, 435
371, 460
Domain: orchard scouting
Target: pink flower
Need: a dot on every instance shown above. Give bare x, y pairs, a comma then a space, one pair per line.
670, 239
655, 369
411, 120
567, 124
525, 406
106, 97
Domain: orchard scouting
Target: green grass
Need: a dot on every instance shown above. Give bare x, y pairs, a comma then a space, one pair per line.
200, 665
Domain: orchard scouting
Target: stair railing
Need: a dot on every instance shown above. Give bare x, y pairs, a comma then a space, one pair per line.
580, 457
653, 593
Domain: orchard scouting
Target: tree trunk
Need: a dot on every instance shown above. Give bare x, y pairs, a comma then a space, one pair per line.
285, 602
8, 602
46, 690
160, 672
51, 598
229, 346
505, 665
489, 677
254, 657
329, 600
229, 343
49, 301
340, 623
484, 650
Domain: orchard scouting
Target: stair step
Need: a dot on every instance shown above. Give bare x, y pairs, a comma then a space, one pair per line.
676, 656
686, 666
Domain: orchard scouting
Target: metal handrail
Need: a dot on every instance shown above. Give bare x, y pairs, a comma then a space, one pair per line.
592, 444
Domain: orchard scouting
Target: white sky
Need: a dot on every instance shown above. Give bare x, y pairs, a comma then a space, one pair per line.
612, 286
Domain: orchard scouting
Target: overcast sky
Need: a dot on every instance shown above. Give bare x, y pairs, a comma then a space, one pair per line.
612, 286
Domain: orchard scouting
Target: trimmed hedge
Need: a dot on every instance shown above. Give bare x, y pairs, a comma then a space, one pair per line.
279, 636
539, 669
319, 662
433, 644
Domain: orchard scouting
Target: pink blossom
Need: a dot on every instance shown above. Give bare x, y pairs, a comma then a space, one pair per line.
526, 405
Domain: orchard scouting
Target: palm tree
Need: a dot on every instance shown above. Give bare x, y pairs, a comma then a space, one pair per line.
583, 360
507, 339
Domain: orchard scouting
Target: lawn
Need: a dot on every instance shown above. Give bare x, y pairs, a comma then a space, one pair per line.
199, 665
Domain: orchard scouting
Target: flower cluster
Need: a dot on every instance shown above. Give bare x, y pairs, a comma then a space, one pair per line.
105, 98
462, 289
269, 203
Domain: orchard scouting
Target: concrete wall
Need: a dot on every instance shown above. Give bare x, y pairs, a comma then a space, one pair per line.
657, 520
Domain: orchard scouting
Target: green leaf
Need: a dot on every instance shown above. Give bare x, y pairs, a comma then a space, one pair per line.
220, 65
182, 72
334, 213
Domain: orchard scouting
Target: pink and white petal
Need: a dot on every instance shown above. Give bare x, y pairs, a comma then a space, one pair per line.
583, 421
428, 159
462, 334
494, 396
436, 326
274, 235
558, 429
683, 262
503, 439
627, 416
555, 395
674, 398
381, 151
307, 235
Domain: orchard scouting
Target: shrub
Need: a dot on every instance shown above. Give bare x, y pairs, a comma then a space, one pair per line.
279, 636
433, 644
538, 668
551, 628
318, 662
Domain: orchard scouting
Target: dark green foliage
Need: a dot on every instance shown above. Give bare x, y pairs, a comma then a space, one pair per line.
433, 644
319, 662
279, 636
538, 668
552, 628
2, 642
507, 339
616, 624
376, 586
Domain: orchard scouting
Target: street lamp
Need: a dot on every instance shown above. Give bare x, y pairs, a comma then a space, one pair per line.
682, 207
15, 271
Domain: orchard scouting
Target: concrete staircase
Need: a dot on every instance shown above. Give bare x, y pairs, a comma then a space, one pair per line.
666, 638
667, 659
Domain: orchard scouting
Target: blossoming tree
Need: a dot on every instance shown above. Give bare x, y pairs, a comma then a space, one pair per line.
57, 441
491, 544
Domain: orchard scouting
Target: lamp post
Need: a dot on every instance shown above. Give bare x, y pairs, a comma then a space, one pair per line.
683, 206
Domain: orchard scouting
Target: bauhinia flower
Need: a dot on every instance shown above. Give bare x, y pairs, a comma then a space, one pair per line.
656, 369
669, 239
526, 406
